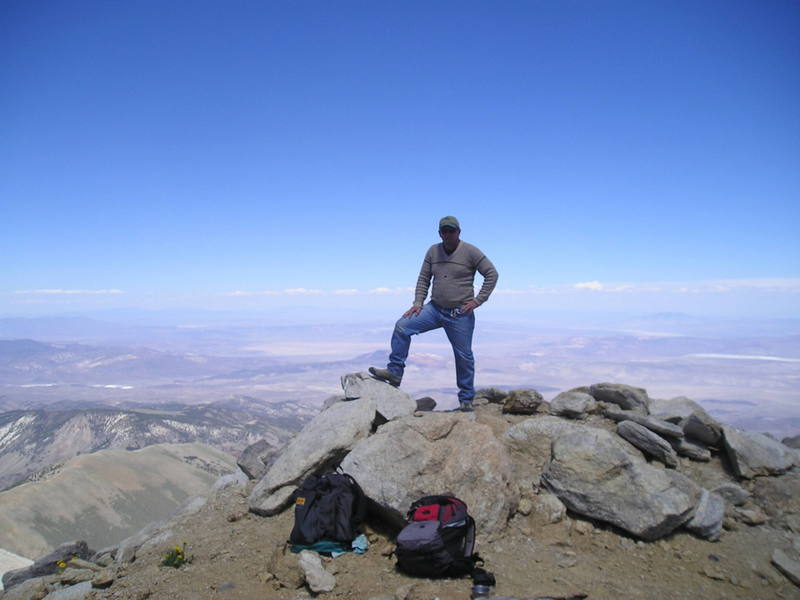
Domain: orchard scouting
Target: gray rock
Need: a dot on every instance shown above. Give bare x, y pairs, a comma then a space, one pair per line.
255, 458
691, 450
549, 508
71, 576
676, 409
47, 565
440, 453
490, 396
625, 396
702, 428
752, 454
522, 402
708, 516
749, 516
391, 402
732, 493
425, 404
661, 427
648, 442
317, 578
595, 475
787, 565
530, 442
573, 405
320, 446
105, 556
792, 442
73, 592
38, 587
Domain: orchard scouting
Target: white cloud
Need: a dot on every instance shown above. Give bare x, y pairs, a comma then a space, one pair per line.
55, 292
386, 290
302, 292
714, 286
589, 285
348, 292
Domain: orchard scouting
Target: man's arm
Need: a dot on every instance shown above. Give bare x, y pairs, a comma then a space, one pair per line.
424, 280
423, 284
490, 276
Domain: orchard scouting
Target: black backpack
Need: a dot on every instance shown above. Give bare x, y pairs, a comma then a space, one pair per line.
327, 508
439, 539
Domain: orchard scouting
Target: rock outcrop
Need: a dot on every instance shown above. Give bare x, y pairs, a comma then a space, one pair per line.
625, 396
752, 454
595, 475
320, 446
441, 453
501, 459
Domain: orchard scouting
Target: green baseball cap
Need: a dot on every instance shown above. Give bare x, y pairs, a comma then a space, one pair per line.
449, 221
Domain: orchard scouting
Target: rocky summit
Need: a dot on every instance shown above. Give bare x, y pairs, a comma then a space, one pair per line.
604, 493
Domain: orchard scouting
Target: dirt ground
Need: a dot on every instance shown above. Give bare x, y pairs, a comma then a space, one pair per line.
232, 551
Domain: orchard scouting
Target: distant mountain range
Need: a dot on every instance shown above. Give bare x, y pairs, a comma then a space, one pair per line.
31, 362
106, 496
32, 440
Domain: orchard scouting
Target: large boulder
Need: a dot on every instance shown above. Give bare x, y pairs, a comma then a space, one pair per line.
675, 409
708, 516
390, 401
648, 442
701, 427
522, 402
48, 564
256, 457
625, 396
792, 442
573, 405
595, 475
752, 454
530, 442
438, 453
690, 450
320, 446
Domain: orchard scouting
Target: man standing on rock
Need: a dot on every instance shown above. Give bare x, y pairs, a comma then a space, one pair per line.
452, 265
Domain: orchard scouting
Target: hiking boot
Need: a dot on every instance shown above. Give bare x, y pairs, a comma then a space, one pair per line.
385, 375
467, 407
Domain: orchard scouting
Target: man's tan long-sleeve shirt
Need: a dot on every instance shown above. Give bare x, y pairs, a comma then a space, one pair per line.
454, 276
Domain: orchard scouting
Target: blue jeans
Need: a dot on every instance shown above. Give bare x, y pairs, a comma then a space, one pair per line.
459, 331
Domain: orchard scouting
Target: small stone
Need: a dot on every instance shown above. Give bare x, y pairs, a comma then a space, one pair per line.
233, 517
583, 527
714, 574
732, 493
750, 516
317, 578
525, 506
103, 580
730, 524
70, 576
84, 564
403, 591
787, 565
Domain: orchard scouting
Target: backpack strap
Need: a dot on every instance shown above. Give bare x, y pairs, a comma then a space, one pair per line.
469, 538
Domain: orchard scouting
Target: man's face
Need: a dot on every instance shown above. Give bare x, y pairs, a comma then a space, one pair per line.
449, 237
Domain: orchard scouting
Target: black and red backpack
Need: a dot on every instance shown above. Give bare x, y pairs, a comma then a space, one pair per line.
439, 539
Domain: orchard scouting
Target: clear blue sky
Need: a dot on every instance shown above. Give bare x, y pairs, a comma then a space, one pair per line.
177, 152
